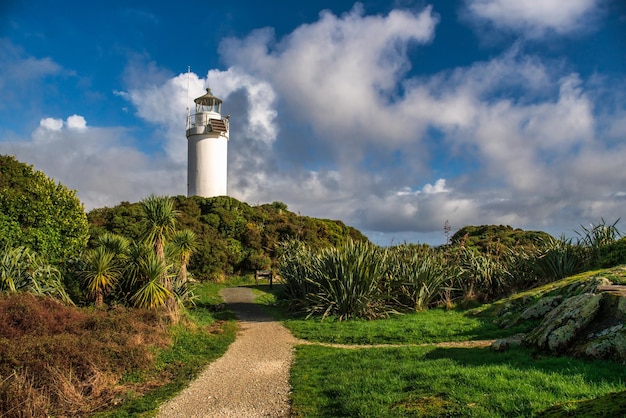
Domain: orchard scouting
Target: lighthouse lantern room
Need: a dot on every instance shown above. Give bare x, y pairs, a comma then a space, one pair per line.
207, 148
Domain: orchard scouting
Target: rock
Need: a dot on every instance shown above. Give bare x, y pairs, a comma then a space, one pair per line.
611, 346
504, 344
539, 309
562, 325
500, 345
588, 286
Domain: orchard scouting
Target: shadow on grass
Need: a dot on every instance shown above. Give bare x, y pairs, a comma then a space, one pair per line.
611, 405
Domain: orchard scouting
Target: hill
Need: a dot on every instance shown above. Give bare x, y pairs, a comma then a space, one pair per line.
233, 237
488, 238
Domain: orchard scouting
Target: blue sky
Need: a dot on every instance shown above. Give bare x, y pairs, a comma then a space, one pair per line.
391, 116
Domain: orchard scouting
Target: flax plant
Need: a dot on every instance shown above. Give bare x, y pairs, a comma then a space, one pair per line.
294, 268
420, 277
348, 280
21, 270
560, 258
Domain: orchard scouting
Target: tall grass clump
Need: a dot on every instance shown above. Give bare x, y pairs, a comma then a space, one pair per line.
348, 280
595, 239
23, 271
295, 268
418, 276
559, 258
342, 282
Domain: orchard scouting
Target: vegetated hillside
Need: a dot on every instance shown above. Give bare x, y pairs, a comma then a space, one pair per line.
232, 236
490, 238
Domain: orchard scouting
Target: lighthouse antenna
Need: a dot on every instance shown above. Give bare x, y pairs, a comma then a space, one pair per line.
188, 71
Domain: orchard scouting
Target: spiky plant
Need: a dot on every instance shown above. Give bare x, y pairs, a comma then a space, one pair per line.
152, 293
184, 243
294, 268
101, 273
160, 217
560, 258
117, 244
21, 270
347, 281
421, 276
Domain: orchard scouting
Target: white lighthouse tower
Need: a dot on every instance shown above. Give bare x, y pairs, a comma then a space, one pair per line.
207, 148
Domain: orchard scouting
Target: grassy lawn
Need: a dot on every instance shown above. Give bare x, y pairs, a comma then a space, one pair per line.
435, 382
434, 325
432, 381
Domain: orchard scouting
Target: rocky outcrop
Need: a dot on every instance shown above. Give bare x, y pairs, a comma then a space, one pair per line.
563, 324
585, 318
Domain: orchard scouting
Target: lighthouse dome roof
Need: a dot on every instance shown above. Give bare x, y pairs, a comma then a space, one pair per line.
208, 99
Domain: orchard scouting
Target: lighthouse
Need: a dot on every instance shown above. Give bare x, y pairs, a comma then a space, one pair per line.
207, 148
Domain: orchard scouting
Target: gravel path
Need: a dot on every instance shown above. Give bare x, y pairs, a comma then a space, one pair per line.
252, 378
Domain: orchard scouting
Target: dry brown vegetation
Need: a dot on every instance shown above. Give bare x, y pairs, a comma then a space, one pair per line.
66, 361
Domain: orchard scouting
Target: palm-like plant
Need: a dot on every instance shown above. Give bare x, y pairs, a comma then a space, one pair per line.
184, 243
115, 243
152, 294
160, 216
101, 273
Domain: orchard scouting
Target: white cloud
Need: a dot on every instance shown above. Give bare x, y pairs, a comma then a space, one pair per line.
438, 187
76, 122
51, 124
340, 74
535, 18
100, 163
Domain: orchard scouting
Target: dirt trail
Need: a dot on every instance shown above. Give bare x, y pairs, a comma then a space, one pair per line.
252, 378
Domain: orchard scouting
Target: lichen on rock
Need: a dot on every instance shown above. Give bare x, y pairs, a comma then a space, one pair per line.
541, 308
561, 325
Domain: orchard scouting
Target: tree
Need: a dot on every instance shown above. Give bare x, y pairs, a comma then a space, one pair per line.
185, 244
153, 293
101, 273
160, 216
38, 213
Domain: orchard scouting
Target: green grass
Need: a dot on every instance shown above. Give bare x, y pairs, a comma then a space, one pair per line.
197, 342
434, 325
434, 382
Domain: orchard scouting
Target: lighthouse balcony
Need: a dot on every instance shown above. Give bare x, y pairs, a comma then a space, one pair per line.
201, 123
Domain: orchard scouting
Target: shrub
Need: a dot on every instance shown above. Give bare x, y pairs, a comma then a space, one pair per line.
295, 268
21, 270
419, 277
348, 282
38, 213
612, 254
560, 258
64, 361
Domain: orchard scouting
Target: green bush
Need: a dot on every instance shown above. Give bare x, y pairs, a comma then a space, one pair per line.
418, 275
612, 254
344, 282
232, 236
40, 214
